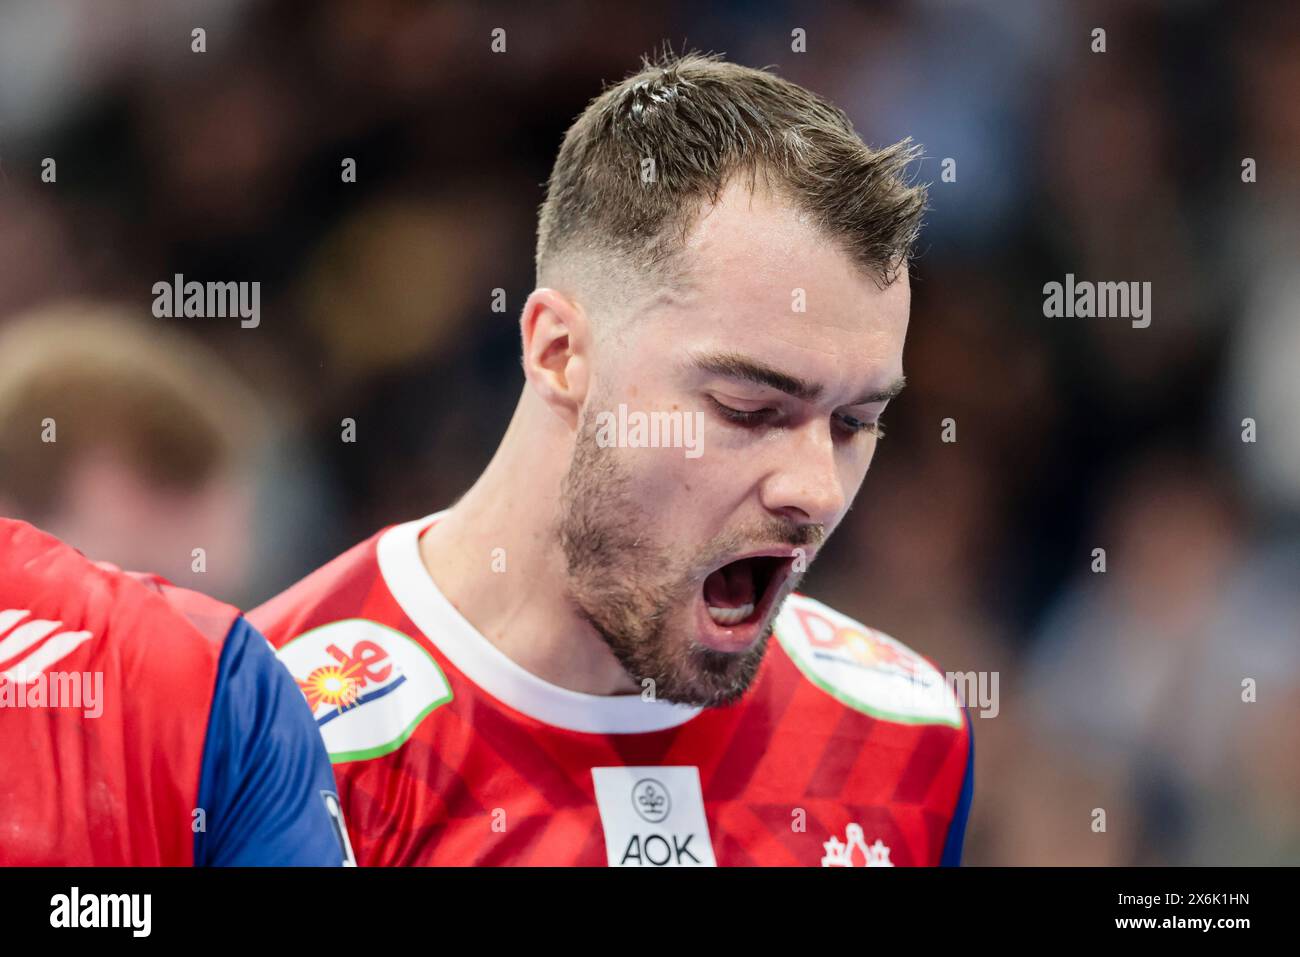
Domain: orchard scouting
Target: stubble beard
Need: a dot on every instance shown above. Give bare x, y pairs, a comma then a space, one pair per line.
627, 586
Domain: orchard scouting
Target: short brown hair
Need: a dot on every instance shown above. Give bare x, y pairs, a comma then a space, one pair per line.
107, 377
702, 120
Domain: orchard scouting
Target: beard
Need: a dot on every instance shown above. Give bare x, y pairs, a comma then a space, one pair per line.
626, 584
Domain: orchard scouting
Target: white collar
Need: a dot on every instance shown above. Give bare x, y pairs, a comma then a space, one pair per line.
490, 668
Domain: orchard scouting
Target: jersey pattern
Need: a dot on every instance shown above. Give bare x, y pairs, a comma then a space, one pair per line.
849, 749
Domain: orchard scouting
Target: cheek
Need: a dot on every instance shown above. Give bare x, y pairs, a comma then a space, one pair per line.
665, 481
682, 501
666, 447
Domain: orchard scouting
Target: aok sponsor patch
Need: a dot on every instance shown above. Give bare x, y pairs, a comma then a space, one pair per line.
864, 668
653, 817
368, 685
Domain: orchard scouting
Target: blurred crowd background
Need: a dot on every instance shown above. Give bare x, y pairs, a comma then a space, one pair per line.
1121, 691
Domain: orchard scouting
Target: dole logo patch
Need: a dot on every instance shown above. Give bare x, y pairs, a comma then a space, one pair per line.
368, 686
864, 668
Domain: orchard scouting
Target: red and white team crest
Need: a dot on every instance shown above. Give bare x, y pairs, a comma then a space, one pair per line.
855, 852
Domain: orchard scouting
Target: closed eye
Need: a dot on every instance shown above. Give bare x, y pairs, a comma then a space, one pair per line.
743, 417
849, 425
853, 425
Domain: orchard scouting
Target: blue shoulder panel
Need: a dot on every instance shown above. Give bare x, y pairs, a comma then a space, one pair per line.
266, 789
957, 828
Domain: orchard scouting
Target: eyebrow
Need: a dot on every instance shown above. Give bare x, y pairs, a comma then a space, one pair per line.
732, 365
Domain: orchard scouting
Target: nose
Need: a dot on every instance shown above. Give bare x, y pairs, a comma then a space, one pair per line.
805, 484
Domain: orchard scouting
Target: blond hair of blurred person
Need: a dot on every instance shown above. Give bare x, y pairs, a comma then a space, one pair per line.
128, 440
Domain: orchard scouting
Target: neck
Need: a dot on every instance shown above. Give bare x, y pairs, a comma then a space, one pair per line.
496, 557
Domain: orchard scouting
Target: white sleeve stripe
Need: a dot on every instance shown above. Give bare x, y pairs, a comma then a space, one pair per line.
60, 646
24, 636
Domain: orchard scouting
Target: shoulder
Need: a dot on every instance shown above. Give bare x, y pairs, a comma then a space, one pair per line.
863, 668
144, 624
265, 777
340, 634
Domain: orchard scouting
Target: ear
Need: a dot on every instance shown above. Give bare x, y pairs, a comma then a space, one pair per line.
557, 351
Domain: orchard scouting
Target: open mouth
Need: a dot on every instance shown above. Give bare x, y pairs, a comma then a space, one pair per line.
741, 592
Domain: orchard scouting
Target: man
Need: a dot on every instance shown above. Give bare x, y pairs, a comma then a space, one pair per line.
572, 665
142, 724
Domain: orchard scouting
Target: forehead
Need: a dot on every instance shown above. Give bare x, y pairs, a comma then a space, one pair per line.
762, 278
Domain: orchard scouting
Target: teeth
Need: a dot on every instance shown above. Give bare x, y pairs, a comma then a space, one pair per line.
731, 616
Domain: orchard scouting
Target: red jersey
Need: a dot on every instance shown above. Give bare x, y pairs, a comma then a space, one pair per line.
144, 724
848, 749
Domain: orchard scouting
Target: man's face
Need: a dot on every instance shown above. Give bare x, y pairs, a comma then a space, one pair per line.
787, 354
